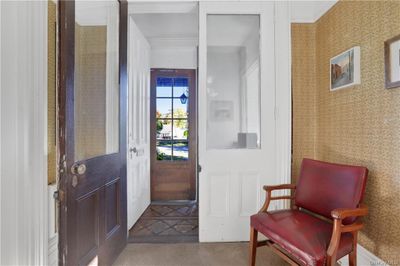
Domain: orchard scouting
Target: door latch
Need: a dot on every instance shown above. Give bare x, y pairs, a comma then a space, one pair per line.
78, 169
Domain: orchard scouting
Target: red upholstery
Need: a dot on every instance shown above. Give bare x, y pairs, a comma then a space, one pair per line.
323, 187
302, 235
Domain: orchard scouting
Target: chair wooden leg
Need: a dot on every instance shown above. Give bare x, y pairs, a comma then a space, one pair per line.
353, 255
253, 246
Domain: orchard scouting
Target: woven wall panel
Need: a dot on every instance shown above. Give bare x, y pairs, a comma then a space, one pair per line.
304, 94
51, 92
361, 124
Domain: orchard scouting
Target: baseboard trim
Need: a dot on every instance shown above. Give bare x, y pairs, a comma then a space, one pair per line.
364, 258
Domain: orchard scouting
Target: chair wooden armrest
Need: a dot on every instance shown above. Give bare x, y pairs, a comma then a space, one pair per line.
338, 216
268, 196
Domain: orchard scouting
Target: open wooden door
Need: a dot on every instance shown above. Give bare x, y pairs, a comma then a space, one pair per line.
92, 131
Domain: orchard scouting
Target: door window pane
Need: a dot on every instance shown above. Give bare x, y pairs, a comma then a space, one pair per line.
164, 87
180, 151
172, 118
233, 81
181, 86
180, 109
164, 150
164, 108
96, 80
164, 129
181, 130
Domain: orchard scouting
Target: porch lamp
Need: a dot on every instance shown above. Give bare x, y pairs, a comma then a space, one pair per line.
183, 98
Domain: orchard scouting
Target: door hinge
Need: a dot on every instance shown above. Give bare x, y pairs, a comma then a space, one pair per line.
58, 195
199, 168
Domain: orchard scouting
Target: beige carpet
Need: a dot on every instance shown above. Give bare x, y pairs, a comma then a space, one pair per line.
193, 254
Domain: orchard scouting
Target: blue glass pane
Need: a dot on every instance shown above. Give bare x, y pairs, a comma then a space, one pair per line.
181, 82
164, 82
164, 87
181, 86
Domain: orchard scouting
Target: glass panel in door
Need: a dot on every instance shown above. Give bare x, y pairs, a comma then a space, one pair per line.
233, 82
96, 101
172, 110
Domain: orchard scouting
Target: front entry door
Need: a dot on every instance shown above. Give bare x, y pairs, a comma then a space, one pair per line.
236, 115
92, 136
173, 134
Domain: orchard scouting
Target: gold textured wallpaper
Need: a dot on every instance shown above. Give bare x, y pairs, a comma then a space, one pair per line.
359, 125
51, 89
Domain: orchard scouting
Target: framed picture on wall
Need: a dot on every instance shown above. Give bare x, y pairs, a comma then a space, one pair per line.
345, 69
392, 62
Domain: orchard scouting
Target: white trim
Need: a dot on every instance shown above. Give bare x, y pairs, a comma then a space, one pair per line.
364, 257
0, 139
24, 133
283, 93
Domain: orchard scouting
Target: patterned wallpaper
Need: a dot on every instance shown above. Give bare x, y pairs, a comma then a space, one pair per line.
358, 125
51, 95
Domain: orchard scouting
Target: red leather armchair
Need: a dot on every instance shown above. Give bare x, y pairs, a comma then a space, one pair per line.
322, 224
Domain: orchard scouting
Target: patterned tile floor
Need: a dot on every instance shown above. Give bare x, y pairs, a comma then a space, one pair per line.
166, 223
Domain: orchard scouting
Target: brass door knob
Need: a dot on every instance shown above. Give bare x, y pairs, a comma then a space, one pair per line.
78, 169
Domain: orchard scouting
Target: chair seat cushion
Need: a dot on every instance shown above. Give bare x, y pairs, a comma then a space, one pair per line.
302, 235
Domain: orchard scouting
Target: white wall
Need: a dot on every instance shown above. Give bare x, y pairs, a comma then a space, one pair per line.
23, 188
174, 57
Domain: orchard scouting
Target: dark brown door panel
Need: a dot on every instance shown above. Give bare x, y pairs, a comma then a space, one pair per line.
92, 118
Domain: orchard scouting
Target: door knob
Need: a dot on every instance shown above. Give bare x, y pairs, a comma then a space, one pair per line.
78, 169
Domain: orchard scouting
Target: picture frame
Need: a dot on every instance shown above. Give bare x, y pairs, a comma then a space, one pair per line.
345, 69
392, 62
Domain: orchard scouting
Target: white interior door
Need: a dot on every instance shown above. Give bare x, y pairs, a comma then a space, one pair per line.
138, 181
237, 133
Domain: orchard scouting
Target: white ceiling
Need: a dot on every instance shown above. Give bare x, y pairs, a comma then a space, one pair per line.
167, 25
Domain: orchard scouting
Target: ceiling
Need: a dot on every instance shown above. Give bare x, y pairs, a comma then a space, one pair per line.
178, 25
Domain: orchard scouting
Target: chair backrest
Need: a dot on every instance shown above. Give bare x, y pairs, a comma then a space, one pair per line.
323, 187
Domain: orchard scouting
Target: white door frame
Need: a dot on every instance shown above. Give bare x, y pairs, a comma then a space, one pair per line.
23, 218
